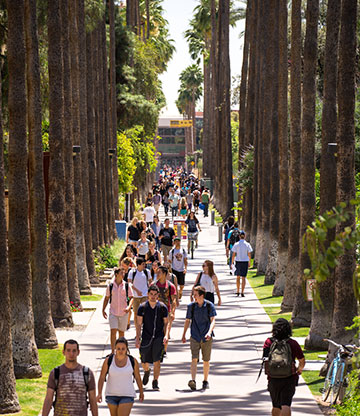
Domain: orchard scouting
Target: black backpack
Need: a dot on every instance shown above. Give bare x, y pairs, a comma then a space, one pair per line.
126, 290
235, 236
280, 363
111, 357
86, 375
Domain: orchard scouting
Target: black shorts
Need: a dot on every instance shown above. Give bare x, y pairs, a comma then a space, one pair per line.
241, 268
196, 202
153, 351
210, 297
180, 277
282, 391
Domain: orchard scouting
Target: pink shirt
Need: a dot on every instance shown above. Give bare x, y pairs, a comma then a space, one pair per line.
118, 298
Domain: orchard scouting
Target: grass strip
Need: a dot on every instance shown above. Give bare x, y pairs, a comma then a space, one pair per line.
90, 298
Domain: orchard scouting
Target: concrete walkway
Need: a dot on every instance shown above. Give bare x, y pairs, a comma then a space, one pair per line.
241, 328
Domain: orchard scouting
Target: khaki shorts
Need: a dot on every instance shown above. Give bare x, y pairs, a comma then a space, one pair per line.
137, 302
118, 322
166, 250
204, 346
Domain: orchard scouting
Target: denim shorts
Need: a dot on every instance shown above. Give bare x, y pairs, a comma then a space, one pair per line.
116, 400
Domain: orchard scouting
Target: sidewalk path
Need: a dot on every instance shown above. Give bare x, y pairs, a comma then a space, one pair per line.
241, 328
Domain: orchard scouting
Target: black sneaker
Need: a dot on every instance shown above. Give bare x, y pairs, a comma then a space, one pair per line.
192, 384
155, 385
242, 295
146, 377
237, 294
205, 385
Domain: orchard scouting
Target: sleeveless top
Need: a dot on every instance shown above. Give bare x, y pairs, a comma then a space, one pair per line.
207, 283
120, 380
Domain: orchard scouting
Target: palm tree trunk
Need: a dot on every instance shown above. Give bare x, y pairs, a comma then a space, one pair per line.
9, 402
69, 220
206, 145
271, 270
43, 325
283, 234
213, 138
84, 144
321, 319
60, 305
25, 354
292, 270
345, 305
301, 315
82, 271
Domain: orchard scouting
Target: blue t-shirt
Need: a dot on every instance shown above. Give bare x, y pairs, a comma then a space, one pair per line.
200, 322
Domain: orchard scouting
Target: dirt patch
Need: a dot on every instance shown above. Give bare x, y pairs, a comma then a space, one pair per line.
325, 408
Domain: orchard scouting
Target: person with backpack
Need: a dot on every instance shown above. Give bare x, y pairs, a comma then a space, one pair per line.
228, 226
241, 253
201, 315
209, 281
120, 297
205, 199
179, 262
233, 237
73, 386
279, 354
120, 368
152, 323
140, 279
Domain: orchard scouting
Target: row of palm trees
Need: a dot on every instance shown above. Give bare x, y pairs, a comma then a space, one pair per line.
281, 203
44, 266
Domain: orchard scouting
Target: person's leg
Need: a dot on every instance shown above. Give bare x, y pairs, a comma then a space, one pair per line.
243, 283
156, 370
181, 291
124, 409
145, 366
206, 369
113, 409
194, 362
113, 333
237, 285
275, 411
285, 411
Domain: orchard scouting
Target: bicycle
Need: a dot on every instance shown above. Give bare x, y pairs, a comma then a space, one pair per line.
192, 237
336, 378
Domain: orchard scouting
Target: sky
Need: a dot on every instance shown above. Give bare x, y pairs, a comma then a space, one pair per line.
179, 13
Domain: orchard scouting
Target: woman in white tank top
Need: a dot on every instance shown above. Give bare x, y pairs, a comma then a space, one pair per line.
120, 392
209, 281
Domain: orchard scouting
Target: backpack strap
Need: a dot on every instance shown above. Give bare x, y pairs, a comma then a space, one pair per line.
132, 361
127, 292
86, 375
110, 358
111, 285
56, 378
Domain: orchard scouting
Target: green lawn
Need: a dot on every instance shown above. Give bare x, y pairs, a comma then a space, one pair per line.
314, 382
93, 298
117, 248
31, 392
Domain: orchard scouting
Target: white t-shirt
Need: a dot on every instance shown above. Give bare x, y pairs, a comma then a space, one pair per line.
177, 257
139, 280
207, 283
242, 248
120, 380
149, 214
143, 247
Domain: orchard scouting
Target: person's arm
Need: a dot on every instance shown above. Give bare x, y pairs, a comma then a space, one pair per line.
138, 330
216, 284
186, 264
102, 380
198, 224
49, 398
300, 366
249, 255
131, 301
232, 258
106, 301
127, 237
195, 284
93, 404
166, 330
160, 258
138, 380
186, 326
212, 326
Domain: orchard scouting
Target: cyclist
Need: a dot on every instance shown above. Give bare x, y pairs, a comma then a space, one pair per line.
193, 227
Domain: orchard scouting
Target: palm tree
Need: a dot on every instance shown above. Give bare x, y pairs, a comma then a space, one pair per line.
25, 355
293, 270
9, 402
345, 305
283, 234
301, 315
60, 305
321, 319
69, 220
44, 329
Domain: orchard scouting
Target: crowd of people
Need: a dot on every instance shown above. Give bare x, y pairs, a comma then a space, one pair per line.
149, 283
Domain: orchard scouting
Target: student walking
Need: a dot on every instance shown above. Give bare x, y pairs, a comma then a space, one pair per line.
152, 323
281, 352
72, 384
120, 367
209, 281
179, 262
166, 237
205, 199
120, 297
241, 252
201, 315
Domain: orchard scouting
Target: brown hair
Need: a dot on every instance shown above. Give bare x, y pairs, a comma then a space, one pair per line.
210, 266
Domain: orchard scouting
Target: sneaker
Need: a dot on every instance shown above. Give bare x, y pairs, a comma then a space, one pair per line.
146, 377
205, 385
192, 384
155, 385
242, 295
230, 273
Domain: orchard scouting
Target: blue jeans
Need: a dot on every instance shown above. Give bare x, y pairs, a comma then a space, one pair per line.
206, 209
174, 211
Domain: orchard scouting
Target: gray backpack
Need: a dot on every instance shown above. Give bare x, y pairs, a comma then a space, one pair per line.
280, 363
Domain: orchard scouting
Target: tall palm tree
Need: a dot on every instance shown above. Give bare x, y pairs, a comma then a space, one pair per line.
25, 355
321, 319
301, 315
283, 234
9, 402
293, 270
69, 220
44, 329
60, 305
345, 305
